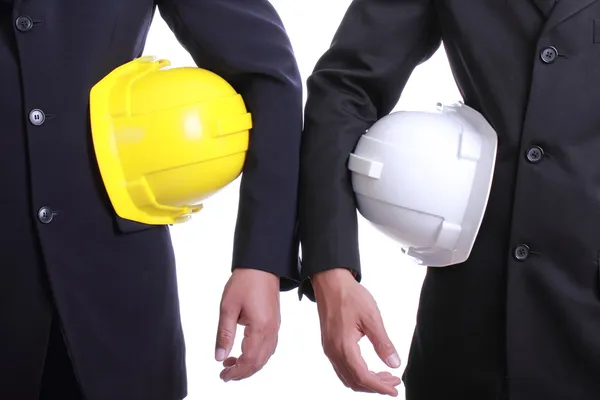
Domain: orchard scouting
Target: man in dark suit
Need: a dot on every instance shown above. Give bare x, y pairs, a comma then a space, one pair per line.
88, 301
521, 318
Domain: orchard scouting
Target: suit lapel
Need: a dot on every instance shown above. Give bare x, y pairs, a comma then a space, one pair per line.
545, 6
563, 10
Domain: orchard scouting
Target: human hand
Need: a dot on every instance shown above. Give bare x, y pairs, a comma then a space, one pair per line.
347, 312
251, 299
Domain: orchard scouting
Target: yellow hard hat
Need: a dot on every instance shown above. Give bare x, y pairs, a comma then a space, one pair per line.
166, 138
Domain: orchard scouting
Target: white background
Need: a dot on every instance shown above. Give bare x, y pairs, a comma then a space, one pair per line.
203, 246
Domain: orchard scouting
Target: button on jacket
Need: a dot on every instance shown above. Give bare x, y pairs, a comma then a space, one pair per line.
113, 281
520, 318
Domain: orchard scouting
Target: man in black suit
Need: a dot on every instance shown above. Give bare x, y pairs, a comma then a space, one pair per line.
88, 301
521, 318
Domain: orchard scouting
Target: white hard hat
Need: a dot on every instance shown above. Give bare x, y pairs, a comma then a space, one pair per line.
424, 178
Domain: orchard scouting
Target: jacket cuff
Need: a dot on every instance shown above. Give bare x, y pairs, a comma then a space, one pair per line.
289, 278
305, 287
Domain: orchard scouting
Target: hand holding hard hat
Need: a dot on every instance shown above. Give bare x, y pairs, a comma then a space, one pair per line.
166, 138
424, 178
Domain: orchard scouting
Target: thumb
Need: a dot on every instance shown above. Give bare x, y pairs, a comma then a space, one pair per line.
228, 319
382, 344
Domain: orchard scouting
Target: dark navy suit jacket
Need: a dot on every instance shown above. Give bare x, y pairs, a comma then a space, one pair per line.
113, 281
519, 320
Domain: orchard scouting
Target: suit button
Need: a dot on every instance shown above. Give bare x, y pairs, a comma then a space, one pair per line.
37, 117
535, 154
24, 24
45, 215
548, 54
521, 252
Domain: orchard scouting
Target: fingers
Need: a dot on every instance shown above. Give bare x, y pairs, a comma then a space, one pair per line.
375, 331
389, 378
229, 362
258, 346
385, 377
346, 373
228, 319
361, 376
352, 370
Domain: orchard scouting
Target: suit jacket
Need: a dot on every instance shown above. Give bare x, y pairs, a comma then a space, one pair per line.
520, 318
113, 281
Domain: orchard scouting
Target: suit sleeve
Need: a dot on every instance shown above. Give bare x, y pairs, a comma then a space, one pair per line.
357, 81
246, 44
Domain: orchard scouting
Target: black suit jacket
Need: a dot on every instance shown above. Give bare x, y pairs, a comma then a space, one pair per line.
500, 324
113, 281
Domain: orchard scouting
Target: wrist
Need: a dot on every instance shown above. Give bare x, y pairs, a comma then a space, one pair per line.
255, 271
326, 278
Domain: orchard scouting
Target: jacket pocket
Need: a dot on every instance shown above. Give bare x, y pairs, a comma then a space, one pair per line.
127, 226
596, 31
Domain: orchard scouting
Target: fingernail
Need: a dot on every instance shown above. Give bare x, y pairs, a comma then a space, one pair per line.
220, 354
393, 360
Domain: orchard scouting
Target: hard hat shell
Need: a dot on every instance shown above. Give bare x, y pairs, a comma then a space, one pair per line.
424, 178
165, 139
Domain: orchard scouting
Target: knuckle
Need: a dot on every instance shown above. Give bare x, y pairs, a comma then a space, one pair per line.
261, 322
253, 365
383, 346
250, 361
357, 374
265, 324
360, 380
224, 334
